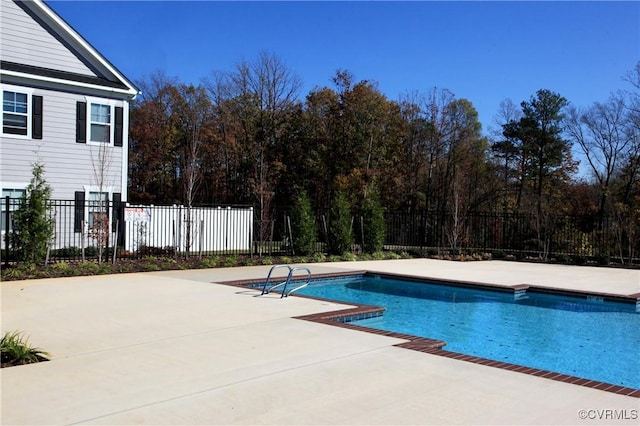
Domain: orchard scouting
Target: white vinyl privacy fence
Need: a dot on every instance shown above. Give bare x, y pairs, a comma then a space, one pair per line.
199, 229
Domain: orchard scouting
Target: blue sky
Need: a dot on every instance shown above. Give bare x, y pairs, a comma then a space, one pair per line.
482, 51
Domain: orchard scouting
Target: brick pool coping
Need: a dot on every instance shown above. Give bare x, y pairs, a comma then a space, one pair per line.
342, 318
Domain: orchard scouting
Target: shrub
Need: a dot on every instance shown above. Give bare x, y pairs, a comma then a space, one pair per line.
579, 260
61, 266
209, 262
405, 255
391, 255
340, 237
31, 222
229, 261
319, 257
349, 257
67, 252
91, 251
16, 350
303, 226
432, 252
498, 254
373, 224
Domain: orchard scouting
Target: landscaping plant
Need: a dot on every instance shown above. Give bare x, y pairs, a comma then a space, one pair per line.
340, 237
372, 224
303, 226
16, 350
32, 224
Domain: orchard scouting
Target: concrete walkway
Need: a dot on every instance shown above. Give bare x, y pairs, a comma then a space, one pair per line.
172, 348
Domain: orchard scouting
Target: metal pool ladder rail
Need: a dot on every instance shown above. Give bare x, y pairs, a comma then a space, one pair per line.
285, 283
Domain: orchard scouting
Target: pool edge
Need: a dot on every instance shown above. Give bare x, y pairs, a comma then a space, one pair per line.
434, 347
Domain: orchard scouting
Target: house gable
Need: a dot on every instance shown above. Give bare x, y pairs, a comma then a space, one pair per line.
46, 70
37, 44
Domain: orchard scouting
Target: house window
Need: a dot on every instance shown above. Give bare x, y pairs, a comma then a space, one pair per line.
94, 208
100, 123
15, 113
98, 216
15, 194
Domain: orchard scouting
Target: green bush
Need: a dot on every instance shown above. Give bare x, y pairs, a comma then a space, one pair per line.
209, 262
229, 261
91, 251
16, 350
579, 260
373, 224
391, 255
32, 226
348, 257
66, 252
340, 238
319, 257
405, 255
303, 226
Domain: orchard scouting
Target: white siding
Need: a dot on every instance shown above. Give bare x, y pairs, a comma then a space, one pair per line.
69, 166
24, 41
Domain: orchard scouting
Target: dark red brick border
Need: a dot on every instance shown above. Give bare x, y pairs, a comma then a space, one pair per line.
343, 317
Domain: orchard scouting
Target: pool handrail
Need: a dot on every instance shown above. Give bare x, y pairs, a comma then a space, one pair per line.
285, 283
299, 268
266, 290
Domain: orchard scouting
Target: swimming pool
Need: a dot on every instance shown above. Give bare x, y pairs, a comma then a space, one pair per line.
588, 337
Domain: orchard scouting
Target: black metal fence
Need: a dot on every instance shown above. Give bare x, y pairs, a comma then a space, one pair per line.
579, 236
88, 229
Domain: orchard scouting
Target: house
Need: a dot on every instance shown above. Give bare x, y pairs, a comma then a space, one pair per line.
64, 104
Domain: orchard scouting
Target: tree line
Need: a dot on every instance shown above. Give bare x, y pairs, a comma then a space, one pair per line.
245, 136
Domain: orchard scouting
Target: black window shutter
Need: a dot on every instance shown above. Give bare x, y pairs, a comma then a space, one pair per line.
36, 119
78, 214
118, 214
119, 128
115, 212
81, 122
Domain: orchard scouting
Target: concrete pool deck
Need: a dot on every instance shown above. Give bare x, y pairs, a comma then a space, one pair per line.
172, 348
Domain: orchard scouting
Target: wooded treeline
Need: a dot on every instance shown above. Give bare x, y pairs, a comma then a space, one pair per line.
246, 137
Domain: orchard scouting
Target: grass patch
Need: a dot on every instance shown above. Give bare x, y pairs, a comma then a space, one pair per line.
16, 350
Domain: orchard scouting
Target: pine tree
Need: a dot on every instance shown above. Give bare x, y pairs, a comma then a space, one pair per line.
303, 226
340, 236
373, 224
32, 225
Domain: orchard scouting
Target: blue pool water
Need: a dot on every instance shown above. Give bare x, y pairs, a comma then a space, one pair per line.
579, 336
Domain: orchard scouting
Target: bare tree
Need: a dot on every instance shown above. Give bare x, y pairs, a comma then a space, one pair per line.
602, 134
99, 226
191, 108
264, 92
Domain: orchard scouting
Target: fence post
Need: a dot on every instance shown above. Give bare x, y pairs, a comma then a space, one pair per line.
7, 202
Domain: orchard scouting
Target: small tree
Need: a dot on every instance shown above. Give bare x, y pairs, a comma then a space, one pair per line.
303, 226
340, 237
373, 224
32, 224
